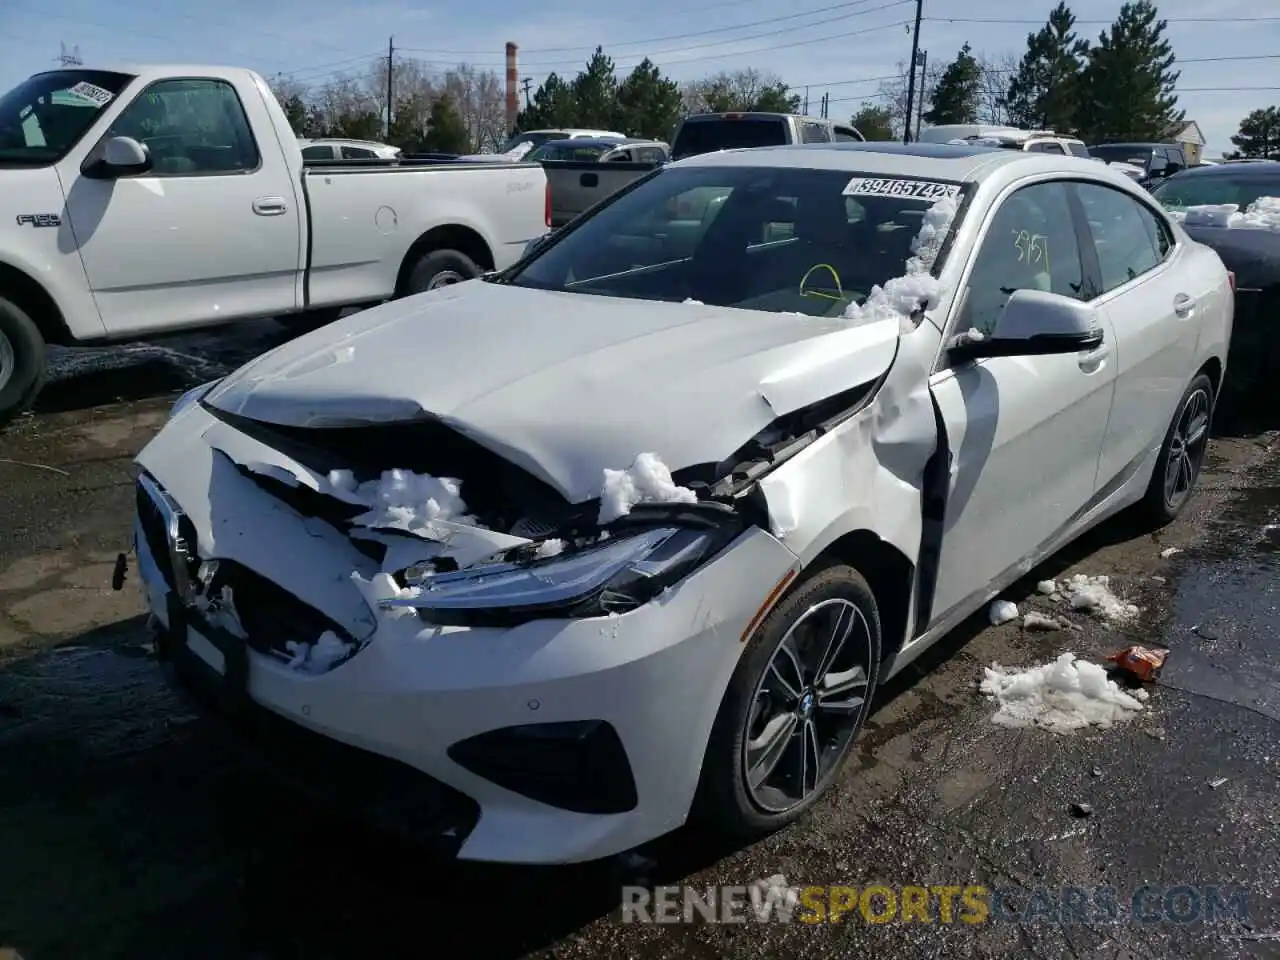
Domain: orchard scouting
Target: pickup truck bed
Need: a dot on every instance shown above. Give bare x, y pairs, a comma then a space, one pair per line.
140, 201
578, 185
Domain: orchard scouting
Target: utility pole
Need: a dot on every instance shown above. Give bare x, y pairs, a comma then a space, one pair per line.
391, 72
525, 84
805, 111
911, 79
826, 105
924, 60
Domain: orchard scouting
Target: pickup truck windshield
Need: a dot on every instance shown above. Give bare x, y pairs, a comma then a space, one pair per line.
45, 116
566, 151
727, 133
1138, 156
778, 239
1178, 193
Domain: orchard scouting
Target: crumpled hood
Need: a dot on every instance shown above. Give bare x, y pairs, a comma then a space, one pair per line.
563, 385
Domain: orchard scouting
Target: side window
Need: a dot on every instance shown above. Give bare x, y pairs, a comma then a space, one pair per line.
1047, 146
811, 132
1029, 245
191, 128
319, 151
1128, 238
622, 156
845, 135
358, 153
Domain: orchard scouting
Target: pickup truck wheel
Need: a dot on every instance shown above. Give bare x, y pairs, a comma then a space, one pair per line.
440, 268
21, 360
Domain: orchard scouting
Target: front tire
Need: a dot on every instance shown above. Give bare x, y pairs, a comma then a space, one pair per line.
22, 367
441, 268
794, 706
1181, 456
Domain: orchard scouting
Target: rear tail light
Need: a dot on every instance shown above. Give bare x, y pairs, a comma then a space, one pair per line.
546, 204
1231, 279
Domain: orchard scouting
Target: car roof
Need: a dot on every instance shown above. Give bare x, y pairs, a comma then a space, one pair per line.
1268, 170
604, 142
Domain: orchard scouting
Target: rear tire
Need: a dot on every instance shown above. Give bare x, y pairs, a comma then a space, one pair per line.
1181, 455
22, 367
440, 268
736, 796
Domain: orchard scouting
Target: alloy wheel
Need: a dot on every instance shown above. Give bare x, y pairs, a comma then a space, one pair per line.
1186, 448
807, 705
445, 278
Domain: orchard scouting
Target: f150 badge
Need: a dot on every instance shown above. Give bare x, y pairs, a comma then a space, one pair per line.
39, 220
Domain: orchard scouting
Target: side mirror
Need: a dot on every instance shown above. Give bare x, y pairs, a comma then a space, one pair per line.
122, 157
1033, 324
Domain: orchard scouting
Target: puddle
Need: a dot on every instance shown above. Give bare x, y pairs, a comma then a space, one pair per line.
1225, 632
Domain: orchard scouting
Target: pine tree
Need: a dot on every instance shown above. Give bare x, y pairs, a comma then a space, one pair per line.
1043, 94
447, 131
595, 92
1127, 86
553, 105
648, 104
1259, 134
959, 92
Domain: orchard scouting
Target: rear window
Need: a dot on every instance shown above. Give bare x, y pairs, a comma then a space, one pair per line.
567, 150
1178, 193
723, 133
1078, 149
1138, 156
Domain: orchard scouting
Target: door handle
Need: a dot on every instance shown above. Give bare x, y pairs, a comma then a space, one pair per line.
1091, 361
1183, 306
270, 206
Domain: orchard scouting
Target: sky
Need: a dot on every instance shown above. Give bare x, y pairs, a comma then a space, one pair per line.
839, 48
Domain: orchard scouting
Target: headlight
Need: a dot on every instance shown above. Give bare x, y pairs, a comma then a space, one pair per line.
615, 576
191, 396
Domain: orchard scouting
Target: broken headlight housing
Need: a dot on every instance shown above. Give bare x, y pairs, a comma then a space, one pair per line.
614, 576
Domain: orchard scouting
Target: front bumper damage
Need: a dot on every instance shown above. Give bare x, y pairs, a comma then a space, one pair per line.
551, 741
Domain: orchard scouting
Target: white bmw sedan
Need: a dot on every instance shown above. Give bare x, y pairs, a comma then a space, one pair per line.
548, 563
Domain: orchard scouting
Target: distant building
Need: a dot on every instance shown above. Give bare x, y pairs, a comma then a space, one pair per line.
1188, 136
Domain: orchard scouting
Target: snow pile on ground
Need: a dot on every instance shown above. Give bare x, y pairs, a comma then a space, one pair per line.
1065, 695
1001, 611
901, 297
1262, 214
1094, 595
647, 480
319, 656
402, 500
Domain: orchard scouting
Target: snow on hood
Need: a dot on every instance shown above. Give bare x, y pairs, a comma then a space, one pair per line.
1262, 214
564, 385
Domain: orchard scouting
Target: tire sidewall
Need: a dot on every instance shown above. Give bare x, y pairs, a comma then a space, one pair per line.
723, 796
435, 263
28, 349
1157, 503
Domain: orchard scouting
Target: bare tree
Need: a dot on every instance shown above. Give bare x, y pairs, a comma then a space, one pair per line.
480, 99
737, 90
892, 95
994, 90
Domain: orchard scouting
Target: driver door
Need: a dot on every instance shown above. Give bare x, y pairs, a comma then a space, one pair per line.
1025, 433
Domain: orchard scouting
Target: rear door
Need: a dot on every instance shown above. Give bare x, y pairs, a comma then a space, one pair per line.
1152, 305
210, 232
1024, 433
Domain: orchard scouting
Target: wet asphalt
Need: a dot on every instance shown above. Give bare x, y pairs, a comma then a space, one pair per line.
129, 827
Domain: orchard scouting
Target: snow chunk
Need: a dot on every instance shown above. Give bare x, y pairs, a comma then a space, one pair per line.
383, 586
1065, 695
401, 499
1038, 621
901, 297
549, 548
1046, 587
1262, 214
1002, 611
320, 656
647, 480
1094, 595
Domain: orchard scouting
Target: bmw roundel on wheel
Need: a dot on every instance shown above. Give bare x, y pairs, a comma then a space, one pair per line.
627, 535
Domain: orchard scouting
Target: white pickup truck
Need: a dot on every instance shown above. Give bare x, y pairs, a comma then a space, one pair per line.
142, 201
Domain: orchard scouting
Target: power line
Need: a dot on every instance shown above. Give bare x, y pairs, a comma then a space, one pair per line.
1041, 22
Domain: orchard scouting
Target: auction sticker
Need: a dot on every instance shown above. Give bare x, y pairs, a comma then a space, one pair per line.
908, 189
89, 91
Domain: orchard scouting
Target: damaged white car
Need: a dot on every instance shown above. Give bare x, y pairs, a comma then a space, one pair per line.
628, 534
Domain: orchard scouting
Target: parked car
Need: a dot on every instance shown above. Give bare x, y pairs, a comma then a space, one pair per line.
1009, 138
1155, 160
518, 146
329, 148
711, 482
141, 201
582, 172
708, 132
1235, 209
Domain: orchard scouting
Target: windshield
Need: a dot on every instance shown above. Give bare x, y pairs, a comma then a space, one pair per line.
1178, 193
536, 139
707, 136
566, 150
1138, 156
45, 116
777, 239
